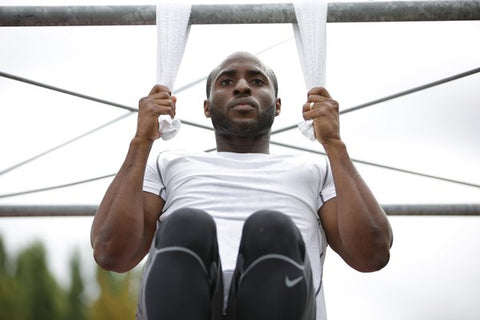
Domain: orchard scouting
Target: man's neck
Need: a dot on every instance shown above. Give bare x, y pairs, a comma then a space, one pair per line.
259, 144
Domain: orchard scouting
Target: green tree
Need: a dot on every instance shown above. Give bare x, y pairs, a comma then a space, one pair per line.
76, 297
118, 296
29, 291
38, 295
8, 289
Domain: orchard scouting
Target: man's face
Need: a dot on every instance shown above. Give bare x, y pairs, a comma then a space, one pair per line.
242, 100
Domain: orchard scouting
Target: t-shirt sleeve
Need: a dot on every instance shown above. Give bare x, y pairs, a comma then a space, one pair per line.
327, 187
152, 181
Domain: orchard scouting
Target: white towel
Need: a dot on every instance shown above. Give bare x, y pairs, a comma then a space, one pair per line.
311, 38
172, 36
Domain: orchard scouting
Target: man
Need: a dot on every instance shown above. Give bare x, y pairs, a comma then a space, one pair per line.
240, 229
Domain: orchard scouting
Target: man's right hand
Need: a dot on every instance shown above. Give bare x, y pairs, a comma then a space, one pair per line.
159, 101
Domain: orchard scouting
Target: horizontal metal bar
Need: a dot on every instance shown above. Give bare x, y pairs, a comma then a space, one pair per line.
391, 210
433, 210
16, 16
48, 211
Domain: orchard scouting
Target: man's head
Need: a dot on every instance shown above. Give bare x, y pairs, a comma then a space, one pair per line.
242, 96
214, 73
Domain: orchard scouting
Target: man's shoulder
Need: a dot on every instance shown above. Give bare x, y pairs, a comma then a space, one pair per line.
174, 153
166, 156
303, 158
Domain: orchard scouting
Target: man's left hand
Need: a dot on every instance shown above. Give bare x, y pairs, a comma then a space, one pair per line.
324, 111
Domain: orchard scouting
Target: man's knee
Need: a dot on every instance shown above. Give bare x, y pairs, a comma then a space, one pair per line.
188, 228
271, 225
272, 232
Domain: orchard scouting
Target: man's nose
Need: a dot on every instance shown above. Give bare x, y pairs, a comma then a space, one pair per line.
242, 87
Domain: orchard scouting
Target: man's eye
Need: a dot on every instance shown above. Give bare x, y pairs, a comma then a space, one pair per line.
226, 82
257, 82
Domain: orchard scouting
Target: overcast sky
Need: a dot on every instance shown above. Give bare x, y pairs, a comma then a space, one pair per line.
433, 273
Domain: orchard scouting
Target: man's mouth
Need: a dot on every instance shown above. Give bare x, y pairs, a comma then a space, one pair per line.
243, 105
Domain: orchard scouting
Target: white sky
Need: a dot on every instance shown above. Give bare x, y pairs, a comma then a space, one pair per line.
433, 273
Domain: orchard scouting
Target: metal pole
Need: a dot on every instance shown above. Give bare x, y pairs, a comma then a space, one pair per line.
240, 13
48, 211
89, 210
433, 210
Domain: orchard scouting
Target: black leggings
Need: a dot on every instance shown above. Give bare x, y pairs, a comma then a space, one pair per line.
272, 279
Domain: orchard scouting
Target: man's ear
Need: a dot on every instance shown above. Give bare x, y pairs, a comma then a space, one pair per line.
206, 108
278, 106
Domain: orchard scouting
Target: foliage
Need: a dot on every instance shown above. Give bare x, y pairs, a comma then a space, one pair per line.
117, 299
29, 291
7, 286
75, 296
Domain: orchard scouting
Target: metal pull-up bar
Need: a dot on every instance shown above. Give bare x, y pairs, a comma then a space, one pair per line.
89, 210
27, 16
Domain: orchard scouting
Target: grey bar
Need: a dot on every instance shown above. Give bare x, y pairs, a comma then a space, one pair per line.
397, 11
433, 210
48, 211
243, 13
16, 16
391, 210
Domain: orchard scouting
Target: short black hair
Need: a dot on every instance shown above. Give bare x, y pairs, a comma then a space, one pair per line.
270, 74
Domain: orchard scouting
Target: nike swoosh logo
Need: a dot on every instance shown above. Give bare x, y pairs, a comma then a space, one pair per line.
290, 283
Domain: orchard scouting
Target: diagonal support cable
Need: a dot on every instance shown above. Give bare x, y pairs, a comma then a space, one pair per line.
406, 92
72, 93
382, 166
413, 90
464, 74
79, 95
397, 95
71, 184
76, 94
18, 165
200, 80
272, 142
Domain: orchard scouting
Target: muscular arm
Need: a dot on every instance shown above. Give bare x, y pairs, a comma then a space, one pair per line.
356, 226
125, 221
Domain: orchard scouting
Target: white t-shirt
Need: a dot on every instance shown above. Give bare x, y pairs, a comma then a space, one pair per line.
232, 186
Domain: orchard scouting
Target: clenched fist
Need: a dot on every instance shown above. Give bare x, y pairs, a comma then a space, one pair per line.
159, 101
324, 111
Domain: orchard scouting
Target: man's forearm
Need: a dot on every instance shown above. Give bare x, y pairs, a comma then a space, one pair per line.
118, 228
363, 227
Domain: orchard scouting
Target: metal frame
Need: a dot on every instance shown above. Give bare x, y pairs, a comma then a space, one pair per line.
240, 14
89, 210
28, 16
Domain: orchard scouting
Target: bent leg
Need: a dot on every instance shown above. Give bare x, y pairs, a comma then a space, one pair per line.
182, 278
273, 277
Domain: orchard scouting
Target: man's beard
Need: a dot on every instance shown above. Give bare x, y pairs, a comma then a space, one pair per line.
250, 128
